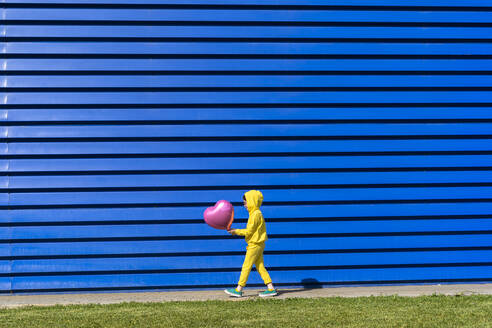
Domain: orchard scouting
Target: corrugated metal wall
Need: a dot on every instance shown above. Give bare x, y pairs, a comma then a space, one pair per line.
367, 124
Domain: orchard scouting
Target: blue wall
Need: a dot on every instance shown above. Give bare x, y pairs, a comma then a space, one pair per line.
366, 124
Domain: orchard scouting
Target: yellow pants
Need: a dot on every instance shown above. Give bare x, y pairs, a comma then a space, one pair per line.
254, 255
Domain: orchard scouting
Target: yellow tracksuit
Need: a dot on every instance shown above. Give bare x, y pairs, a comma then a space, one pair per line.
255, 235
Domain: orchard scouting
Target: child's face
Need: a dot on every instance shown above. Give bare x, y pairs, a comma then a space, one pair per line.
245, 204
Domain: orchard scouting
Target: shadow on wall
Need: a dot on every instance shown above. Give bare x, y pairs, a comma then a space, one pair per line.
307, 284
310, 283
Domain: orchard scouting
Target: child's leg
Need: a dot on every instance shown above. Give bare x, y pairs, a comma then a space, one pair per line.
252, 254
260, 267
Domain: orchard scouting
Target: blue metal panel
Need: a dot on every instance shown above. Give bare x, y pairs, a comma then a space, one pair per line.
286, 195
249, 48
156, 66
238, 180
260, 15
176, 247
164, 280
252, 114
5, 231
234, 261
274, 228
305, 32
4, 267
253, 97
163, 148
390, 183
138, 82
266, 81
5, 284
250, 163
451, 3
156, 212
253, 130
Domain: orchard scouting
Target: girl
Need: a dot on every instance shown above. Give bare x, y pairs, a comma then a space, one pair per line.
255, 235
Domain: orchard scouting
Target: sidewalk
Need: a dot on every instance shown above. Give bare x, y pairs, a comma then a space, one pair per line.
8, 301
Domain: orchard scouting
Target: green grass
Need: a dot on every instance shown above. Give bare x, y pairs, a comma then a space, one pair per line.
375, 311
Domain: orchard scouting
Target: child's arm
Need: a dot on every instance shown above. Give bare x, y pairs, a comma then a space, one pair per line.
250, 227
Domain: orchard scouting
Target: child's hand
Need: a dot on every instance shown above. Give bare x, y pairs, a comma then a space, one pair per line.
231, 231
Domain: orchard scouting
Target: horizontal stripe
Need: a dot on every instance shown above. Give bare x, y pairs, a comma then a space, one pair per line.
5, 267
153, 66
286, 268
246, 56
245, 155
162, 148
254, 171
261, 154
265, 81
280, 203
274, 228
265, 138
252, 5
239, 220
5, 284
224, 278
240, 15
216, 262
224, 130
238, 39
226, 98
234, 180
236, 244
288, 195
298, 187
296, 212
243, 89
273, 236
246, 98
203, 255
4, 197
4, 166
351, 252
140, 115
63, 22
450, 3
248, 163
226, 48
44, 31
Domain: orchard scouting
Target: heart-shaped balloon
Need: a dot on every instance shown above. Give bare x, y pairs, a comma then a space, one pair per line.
220, 216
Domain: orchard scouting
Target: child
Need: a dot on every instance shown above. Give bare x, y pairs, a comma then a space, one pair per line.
255, 235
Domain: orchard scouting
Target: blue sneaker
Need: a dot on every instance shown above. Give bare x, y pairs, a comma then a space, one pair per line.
233, 292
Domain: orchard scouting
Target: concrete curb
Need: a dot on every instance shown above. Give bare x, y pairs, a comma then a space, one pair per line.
12, 301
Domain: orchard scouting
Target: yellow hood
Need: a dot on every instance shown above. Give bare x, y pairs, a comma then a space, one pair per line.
254, 199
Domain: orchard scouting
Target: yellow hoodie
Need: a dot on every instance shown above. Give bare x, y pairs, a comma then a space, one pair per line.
255, 232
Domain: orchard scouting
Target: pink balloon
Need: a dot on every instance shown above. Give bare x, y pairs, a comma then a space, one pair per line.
220, 216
